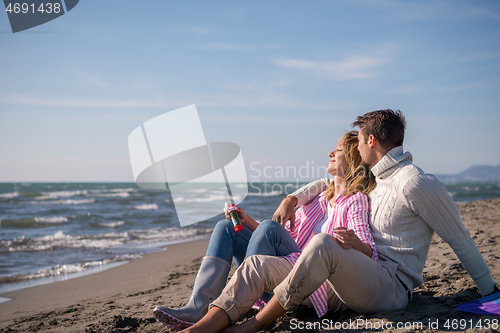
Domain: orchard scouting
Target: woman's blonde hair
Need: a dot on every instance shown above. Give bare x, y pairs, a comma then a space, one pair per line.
358, 175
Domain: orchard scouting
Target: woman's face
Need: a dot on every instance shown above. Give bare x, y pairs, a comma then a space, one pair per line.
338, 165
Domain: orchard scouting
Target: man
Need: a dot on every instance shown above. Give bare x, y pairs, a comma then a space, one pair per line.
407, 207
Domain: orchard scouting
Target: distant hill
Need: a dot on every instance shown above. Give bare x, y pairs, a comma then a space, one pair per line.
477, 173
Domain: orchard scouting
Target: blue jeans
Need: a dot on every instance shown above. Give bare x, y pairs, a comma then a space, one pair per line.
270, 238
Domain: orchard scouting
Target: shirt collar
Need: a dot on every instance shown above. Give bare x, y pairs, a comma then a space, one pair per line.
387, 165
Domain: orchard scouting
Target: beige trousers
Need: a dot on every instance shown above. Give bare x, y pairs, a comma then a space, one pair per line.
358, 282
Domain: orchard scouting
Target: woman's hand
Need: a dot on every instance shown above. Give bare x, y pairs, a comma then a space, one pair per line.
345, 237
241, 213
245, 219
349, 240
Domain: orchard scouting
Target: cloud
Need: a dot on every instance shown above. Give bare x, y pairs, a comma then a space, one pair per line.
189, 29
467, 86
76, 102
237, 47
353, 68
432, 10
263, 98
92, 79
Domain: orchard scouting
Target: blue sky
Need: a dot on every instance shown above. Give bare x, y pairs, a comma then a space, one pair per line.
282, 79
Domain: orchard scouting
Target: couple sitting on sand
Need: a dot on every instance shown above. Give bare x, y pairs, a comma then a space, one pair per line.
335, 252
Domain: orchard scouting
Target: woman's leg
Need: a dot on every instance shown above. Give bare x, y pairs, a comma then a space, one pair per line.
227, 244
272, 239
224, 244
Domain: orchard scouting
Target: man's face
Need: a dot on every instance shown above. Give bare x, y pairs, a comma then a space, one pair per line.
363, 148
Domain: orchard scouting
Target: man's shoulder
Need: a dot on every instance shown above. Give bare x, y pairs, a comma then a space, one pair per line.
413, 177
407, 172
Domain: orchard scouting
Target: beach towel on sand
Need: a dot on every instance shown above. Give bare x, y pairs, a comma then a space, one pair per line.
489, 305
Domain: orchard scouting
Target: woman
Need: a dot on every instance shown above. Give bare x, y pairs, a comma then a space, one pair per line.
342, 210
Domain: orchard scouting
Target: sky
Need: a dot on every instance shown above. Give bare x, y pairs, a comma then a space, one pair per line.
281, 79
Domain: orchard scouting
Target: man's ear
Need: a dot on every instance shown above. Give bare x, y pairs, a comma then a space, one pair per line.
372, 141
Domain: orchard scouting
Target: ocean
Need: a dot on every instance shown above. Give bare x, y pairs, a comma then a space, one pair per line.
56, 231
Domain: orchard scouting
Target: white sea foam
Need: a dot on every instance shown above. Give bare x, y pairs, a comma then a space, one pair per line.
59, 194
468, 188
73, 268
200, 190
111, 224
59, 239
123, 190
9, 195
102, 241
111, 195
53, 219
147, 207
62, 202
166, 234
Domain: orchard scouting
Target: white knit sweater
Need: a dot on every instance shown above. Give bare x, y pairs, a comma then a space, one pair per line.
407, 206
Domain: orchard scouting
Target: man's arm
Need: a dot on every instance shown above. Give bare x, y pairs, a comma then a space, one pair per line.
431, 201
308, 192
300, 197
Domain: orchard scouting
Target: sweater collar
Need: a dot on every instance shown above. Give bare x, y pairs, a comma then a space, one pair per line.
387, 165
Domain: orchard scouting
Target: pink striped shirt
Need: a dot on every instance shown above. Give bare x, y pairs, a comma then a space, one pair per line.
350, 211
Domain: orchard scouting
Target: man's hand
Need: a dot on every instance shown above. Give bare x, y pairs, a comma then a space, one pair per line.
286, 212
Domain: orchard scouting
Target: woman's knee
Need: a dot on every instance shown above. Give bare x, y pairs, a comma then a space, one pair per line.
267, 226
223, 226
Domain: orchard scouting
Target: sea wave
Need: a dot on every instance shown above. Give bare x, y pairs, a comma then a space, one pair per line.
113, 195
110, 224
66, 269
470, 188
53, 219
33, 222
9, 195
200, 190
59, 194
112, 190
101, 241
62, 202
129, 189
147, 207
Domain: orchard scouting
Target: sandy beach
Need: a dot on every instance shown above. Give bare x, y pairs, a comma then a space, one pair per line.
121, 299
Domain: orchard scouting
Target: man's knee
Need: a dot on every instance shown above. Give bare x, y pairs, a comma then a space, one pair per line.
268, 271
261, 264
254, 262
323, 240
